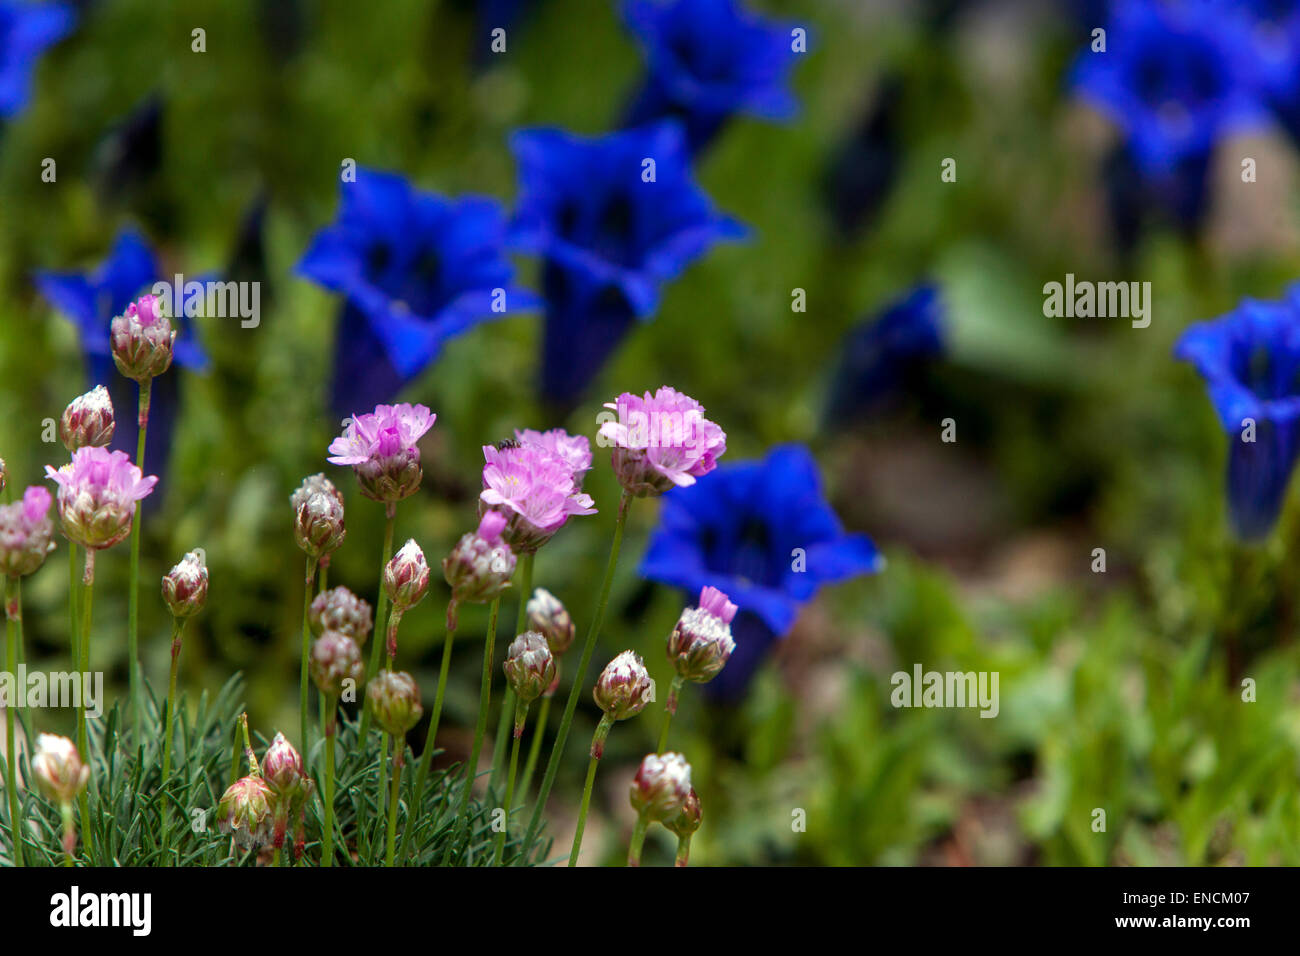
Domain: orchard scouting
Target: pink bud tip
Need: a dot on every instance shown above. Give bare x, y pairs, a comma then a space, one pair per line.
717, 604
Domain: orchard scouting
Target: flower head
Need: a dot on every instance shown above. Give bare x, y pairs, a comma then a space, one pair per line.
88, 420
530, 667
318, 521
246, 812
549, 617
534, 489
661, 786
624, 687
142, 339
26, 29
58, 768
661, 441
481, 564
612, 231
26, 530
381, 448
185, 586
406, 577
394, 699
416, 269
762, 532
283, 770
688, 819
338, 609
701, 643
97, 495
335, 661
1250, 360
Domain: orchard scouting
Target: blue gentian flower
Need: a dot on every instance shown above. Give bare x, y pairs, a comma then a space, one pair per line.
707, 60
26, 29
91, 300
876, 356
1272, 28
415, 269
1250, 360
763, 533
609, 239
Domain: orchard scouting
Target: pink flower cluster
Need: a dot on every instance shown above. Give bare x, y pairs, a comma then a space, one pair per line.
97, 495
25, 533
536, 484
661, 441
381, 448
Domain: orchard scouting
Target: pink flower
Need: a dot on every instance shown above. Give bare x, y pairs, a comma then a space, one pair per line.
661, 441
534, 489
142, 340
717, 604
97, 495
25, 532
381, 448
573, 450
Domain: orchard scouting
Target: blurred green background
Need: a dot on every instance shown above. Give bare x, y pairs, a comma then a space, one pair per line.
1073, 434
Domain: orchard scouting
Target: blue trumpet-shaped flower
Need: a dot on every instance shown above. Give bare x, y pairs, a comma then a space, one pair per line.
26, 29
1272, 28
762, 532
707, 60
614, 218
877, 355
415, 269
1250, 360
91, 300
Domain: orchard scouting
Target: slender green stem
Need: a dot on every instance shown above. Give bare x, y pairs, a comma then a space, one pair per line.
83, 734
133, 595
480, 727
306, 651
670, 708
178, 632
597, 751
638, 838
521, 716
12, 613
324, 575
381, 611
399, 754
535, 748
74, 617
524, 574
23, 714
430, 738
683, 850
69, 833
557, 749
330, 722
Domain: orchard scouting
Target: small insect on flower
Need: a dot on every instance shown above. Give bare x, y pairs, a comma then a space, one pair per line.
549, 617
529, 666
26, 530
142, 339
318, 526
97, 495
394, 700
701, 643
381, 448
88, 420
406, 577
624, 687
58, 768
185, 586
338, 609
245, 812
335, 661
661, 786
661, 441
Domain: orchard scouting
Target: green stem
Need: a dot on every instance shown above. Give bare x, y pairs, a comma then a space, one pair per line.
74, 617
69, 833
381, 619
178, 631
12, 612
597, 750
306, 651
83, 735
24, 715
670, 708
557, 749
683, 850
535, 748
430, 738
399, 753
638, 838
133, 594
524, 572
521, 715
329, 720
480, 727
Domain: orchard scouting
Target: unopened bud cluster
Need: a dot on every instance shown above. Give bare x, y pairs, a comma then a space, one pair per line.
530, 666
624, 687
88, 420
661, 786
142, 340
318, 525
185, 586
338, 609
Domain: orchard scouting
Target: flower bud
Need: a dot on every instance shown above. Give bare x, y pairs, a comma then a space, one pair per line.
58, 768
549, 617
701, 643
394, 700
245, 812
406, 577
335, 660
282, 768
689, 818
318, 516
338, 609
530, 665
88, 420
623, 688
185, 587
26, 533
480, 566
142, 339
661, 786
